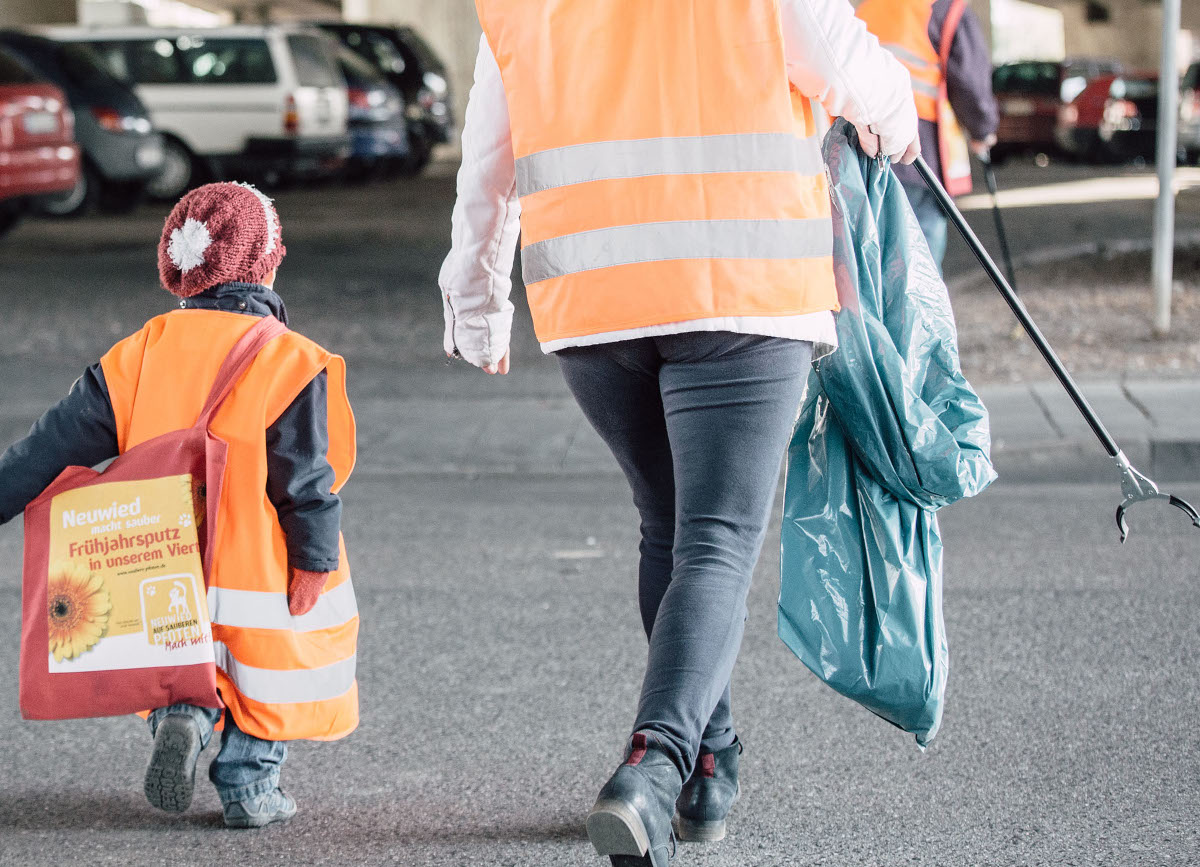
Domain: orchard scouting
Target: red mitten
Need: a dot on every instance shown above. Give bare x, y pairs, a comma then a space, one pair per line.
304, 589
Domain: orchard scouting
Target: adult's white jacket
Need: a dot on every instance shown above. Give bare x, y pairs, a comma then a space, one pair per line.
830, 58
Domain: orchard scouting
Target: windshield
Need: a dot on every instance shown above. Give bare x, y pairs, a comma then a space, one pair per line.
425, 55
1032, 78
359, 68
314, 64
12, 71
83, 66
376, 48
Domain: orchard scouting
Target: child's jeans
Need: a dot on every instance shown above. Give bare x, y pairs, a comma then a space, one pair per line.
246, 766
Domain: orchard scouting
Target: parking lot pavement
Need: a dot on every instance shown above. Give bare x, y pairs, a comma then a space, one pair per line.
501, 653
361, 277
500, 667
1070, 221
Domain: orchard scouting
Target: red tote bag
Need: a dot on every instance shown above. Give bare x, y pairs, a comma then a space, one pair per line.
114, 604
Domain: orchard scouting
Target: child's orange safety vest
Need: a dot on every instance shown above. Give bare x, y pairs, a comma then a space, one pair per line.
282, 677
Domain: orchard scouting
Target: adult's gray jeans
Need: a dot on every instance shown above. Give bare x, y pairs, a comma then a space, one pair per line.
699, 423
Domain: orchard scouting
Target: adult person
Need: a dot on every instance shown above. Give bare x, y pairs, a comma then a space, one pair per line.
662, 164
914, 31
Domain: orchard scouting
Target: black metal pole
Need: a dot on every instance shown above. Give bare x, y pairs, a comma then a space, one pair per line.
989, 176
1018, 308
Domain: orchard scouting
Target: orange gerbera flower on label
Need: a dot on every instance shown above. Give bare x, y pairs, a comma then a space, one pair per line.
79, 606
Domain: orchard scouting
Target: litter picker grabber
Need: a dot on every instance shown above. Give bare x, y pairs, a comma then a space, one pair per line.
1135, 486
989, 177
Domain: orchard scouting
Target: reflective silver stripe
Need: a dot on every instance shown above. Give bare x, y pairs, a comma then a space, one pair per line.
253, 609
927, 89
681, 155
279, 686
684, 239
907, 56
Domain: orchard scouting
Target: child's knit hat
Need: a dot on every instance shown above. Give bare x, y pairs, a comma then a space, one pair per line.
219, 233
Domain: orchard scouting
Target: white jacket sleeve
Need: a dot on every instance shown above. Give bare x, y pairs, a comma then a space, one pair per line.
476, 277
833, 58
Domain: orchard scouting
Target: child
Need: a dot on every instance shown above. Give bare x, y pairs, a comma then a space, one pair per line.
285, 623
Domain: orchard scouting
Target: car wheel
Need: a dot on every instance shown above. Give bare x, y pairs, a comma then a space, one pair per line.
122, 197
9, 217
79, 200
177, 172
421, 151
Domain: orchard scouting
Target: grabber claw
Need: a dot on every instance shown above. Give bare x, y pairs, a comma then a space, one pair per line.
1137, 488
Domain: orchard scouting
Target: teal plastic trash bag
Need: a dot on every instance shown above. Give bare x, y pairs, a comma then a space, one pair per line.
889, 432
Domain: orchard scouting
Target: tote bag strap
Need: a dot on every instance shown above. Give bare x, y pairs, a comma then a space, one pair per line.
237, 362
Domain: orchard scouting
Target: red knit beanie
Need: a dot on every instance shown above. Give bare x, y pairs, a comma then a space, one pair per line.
219, 233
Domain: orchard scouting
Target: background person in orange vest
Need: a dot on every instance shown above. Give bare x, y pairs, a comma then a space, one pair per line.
280, 600
915, 30
661, 163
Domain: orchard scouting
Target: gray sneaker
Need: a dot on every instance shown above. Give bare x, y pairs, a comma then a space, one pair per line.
171, 774
274, 806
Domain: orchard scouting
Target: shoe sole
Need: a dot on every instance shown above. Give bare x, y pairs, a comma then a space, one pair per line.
171, 775
687, 831
691, 831
615, 829
259, 821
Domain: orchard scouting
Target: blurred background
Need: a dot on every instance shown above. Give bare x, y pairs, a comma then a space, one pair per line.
350, 111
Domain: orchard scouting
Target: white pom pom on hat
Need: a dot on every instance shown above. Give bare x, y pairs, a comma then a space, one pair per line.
188, 244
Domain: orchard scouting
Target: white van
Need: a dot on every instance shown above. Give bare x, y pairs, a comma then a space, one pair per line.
232, 102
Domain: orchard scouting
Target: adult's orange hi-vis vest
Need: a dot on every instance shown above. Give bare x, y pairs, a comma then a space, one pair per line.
667, 170
282, 677
902, 27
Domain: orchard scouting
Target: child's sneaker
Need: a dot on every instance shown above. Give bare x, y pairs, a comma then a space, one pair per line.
274, 806
171, 775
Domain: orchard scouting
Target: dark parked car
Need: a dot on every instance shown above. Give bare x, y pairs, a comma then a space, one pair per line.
1032, 93
1189, 114
121, 152
38, 153
376, 123
410, 64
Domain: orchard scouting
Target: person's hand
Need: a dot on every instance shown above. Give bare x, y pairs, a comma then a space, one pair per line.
982, 147
304, 588
500, 367
910, 153
871, 143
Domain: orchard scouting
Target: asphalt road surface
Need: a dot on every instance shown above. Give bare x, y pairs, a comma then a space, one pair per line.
499, 671
501, 653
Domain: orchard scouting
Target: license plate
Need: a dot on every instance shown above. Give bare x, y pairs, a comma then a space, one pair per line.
40, 122
1019, 107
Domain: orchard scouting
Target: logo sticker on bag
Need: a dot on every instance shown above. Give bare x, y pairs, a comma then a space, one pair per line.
124, 584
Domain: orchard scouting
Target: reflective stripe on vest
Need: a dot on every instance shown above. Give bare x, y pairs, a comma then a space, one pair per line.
662, 242
681, 155
919, 66
287, 686
254, 609
903, 29
654, 189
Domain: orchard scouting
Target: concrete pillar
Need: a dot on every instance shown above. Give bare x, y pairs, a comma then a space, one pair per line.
15, 13
451, 27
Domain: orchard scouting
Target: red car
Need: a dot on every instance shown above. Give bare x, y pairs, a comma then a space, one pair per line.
1031, 93
1114, 118
38, 153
